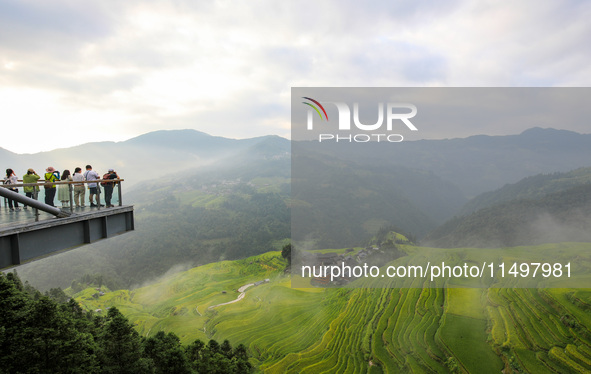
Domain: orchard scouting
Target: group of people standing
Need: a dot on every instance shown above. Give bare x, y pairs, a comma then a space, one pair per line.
63, 191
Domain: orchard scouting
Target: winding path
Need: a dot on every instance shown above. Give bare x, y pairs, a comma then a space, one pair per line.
240, 297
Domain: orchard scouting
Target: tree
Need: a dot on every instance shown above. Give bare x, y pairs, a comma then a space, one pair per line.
40, 335
193, 350
166, 354
120, 349
13, 310
241, 364
226, 349
286, 253
57, 294
214, 358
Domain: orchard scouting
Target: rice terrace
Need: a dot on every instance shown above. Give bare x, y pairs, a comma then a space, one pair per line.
372, 330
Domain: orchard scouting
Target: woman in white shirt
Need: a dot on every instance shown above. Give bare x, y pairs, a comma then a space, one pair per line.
11, 178
79, 188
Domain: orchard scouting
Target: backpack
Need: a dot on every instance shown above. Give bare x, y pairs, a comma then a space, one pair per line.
8, 181
106, 176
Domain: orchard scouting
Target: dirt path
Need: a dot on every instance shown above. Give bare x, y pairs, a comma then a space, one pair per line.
240, 297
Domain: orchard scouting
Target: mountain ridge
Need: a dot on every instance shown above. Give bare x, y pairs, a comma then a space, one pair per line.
482, 162
561, 216
140, 158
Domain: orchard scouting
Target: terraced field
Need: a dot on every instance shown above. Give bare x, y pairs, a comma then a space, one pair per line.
364, 330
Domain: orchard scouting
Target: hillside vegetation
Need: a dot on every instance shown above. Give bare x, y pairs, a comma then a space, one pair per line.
533, 187
346, 194
555, 217
342, 202
52, 334
246, 206
419, 330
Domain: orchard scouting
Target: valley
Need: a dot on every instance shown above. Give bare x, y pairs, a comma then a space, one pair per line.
212, 228
419, 330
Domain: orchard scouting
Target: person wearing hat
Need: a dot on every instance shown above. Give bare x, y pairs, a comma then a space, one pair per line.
108, 186
31, 191
51, 175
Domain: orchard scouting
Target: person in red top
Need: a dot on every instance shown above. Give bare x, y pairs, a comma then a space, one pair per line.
108, 187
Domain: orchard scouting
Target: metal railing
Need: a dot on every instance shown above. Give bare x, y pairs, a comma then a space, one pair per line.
71, 184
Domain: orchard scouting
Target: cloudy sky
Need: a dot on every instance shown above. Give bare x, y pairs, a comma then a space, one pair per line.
73, 72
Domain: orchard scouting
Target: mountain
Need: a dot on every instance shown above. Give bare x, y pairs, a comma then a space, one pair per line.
531, 187
146, 157
340, 202
242, 205
475, 164
562, 216
480, 163
199, 218
358, 330
204, 189
236, 202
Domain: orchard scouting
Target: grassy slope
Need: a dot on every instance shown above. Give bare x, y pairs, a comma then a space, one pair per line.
364, 330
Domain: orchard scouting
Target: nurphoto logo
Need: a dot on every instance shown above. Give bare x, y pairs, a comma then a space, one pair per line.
394, 112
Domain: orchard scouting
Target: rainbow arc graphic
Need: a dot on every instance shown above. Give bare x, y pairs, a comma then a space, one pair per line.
316, 107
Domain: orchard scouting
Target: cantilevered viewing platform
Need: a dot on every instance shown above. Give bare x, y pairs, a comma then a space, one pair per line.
42, 230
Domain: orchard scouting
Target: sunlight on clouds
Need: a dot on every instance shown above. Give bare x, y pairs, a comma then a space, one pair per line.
9, 65
216, 66
101, 71
36, 120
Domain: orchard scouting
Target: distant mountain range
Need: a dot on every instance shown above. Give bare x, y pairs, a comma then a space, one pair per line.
545, 208
147, 157
536, 186
202, 199
475, 164
479, 163
342, 193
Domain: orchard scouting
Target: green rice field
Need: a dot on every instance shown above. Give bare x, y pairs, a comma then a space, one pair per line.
363, 330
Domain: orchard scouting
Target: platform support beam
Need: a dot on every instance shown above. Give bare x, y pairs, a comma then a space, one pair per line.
25, 242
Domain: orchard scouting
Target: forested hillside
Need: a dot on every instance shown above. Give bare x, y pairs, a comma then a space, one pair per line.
364, 330
532, 187
243, 206
340, 202
555, 217
186, 267
41, 335
173, 234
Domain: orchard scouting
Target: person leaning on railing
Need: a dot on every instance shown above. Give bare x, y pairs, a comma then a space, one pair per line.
79, 188
63, 191
108, 186
11, 178
51, 175
31, 191
92, 175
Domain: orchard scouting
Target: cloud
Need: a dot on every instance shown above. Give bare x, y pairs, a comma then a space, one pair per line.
54, 28
125, 68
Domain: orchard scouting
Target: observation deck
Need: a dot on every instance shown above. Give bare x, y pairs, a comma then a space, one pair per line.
42, 230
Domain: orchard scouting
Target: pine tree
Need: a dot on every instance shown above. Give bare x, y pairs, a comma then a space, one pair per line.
120, 350
166, 354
